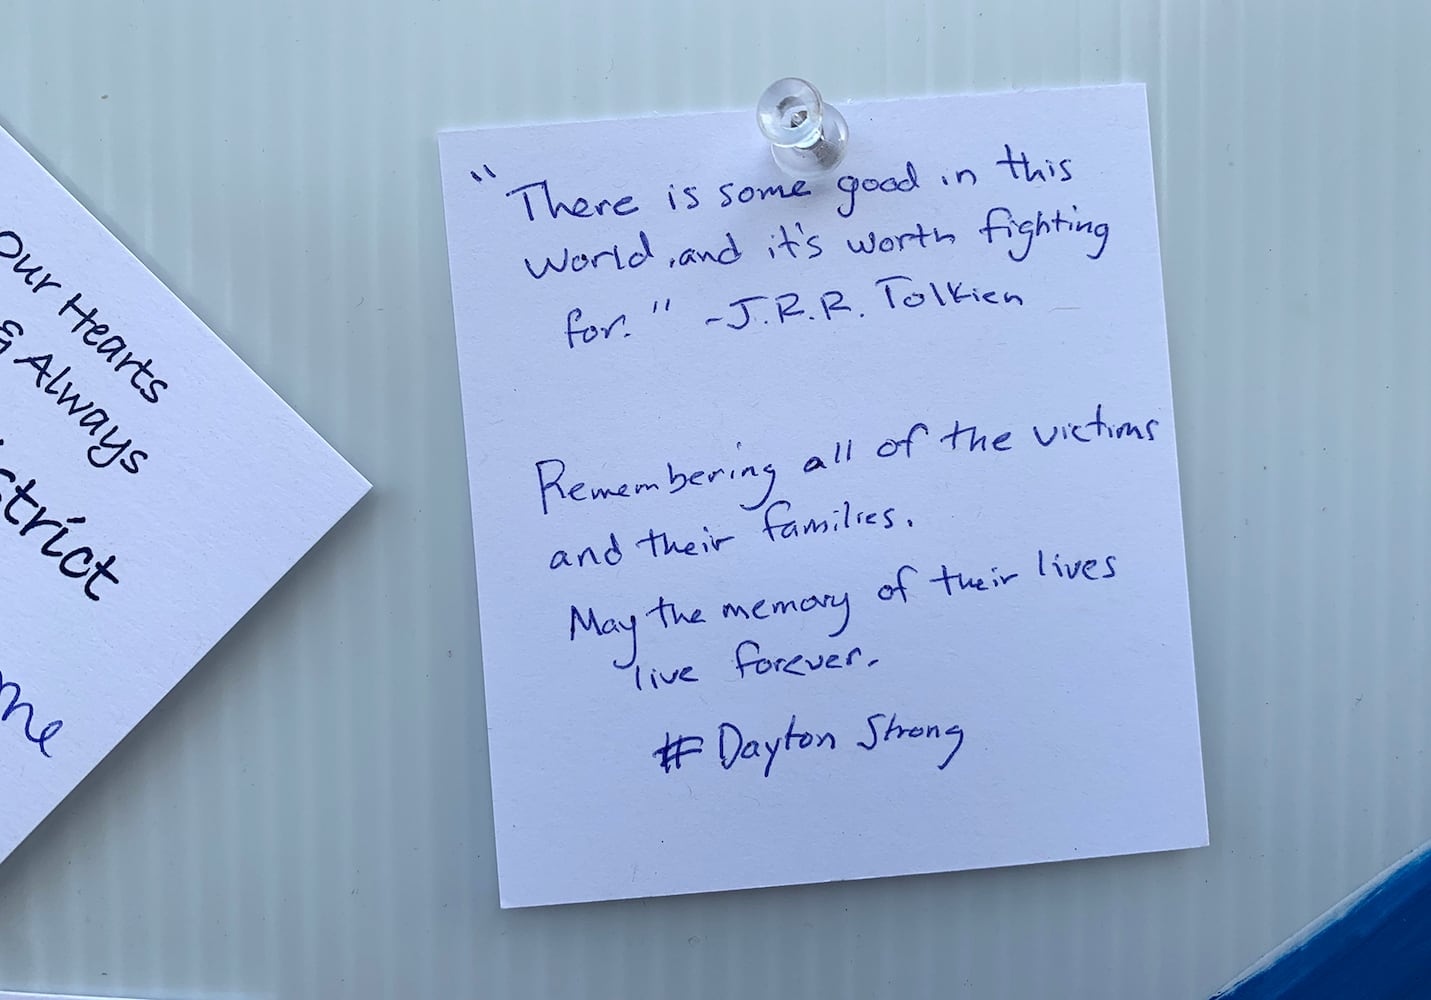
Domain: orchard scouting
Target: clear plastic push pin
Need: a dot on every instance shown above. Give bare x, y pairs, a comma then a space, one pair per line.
807, 136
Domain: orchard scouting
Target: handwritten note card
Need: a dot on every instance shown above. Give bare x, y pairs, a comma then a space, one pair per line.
824, 530
51, 996
152, 488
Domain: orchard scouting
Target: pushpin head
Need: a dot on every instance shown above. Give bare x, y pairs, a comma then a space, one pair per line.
807, 137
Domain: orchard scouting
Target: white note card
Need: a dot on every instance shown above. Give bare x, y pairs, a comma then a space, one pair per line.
824, 529
55, 996
152, 489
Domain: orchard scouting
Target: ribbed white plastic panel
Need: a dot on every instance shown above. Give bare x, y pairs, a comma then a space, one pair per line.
308, 815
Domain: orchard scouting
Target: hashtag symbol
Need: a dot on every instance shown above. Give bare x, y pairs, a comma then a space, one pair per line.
671, 752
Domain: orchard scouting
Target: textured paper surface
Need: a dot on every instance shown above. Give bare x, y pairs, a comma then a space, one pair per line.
55, 996
825, 530
152, 489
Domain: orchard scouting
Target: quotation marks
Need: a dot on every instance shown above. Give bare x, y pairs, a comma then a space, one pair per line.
478, 177
657, 306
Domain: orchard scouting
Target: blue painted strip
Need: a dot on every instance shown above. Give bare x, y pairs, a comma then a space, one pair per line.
1375, 945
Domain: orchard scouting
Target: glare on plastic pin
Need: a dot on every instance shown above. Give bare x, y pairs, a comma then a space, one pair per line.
807, 136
